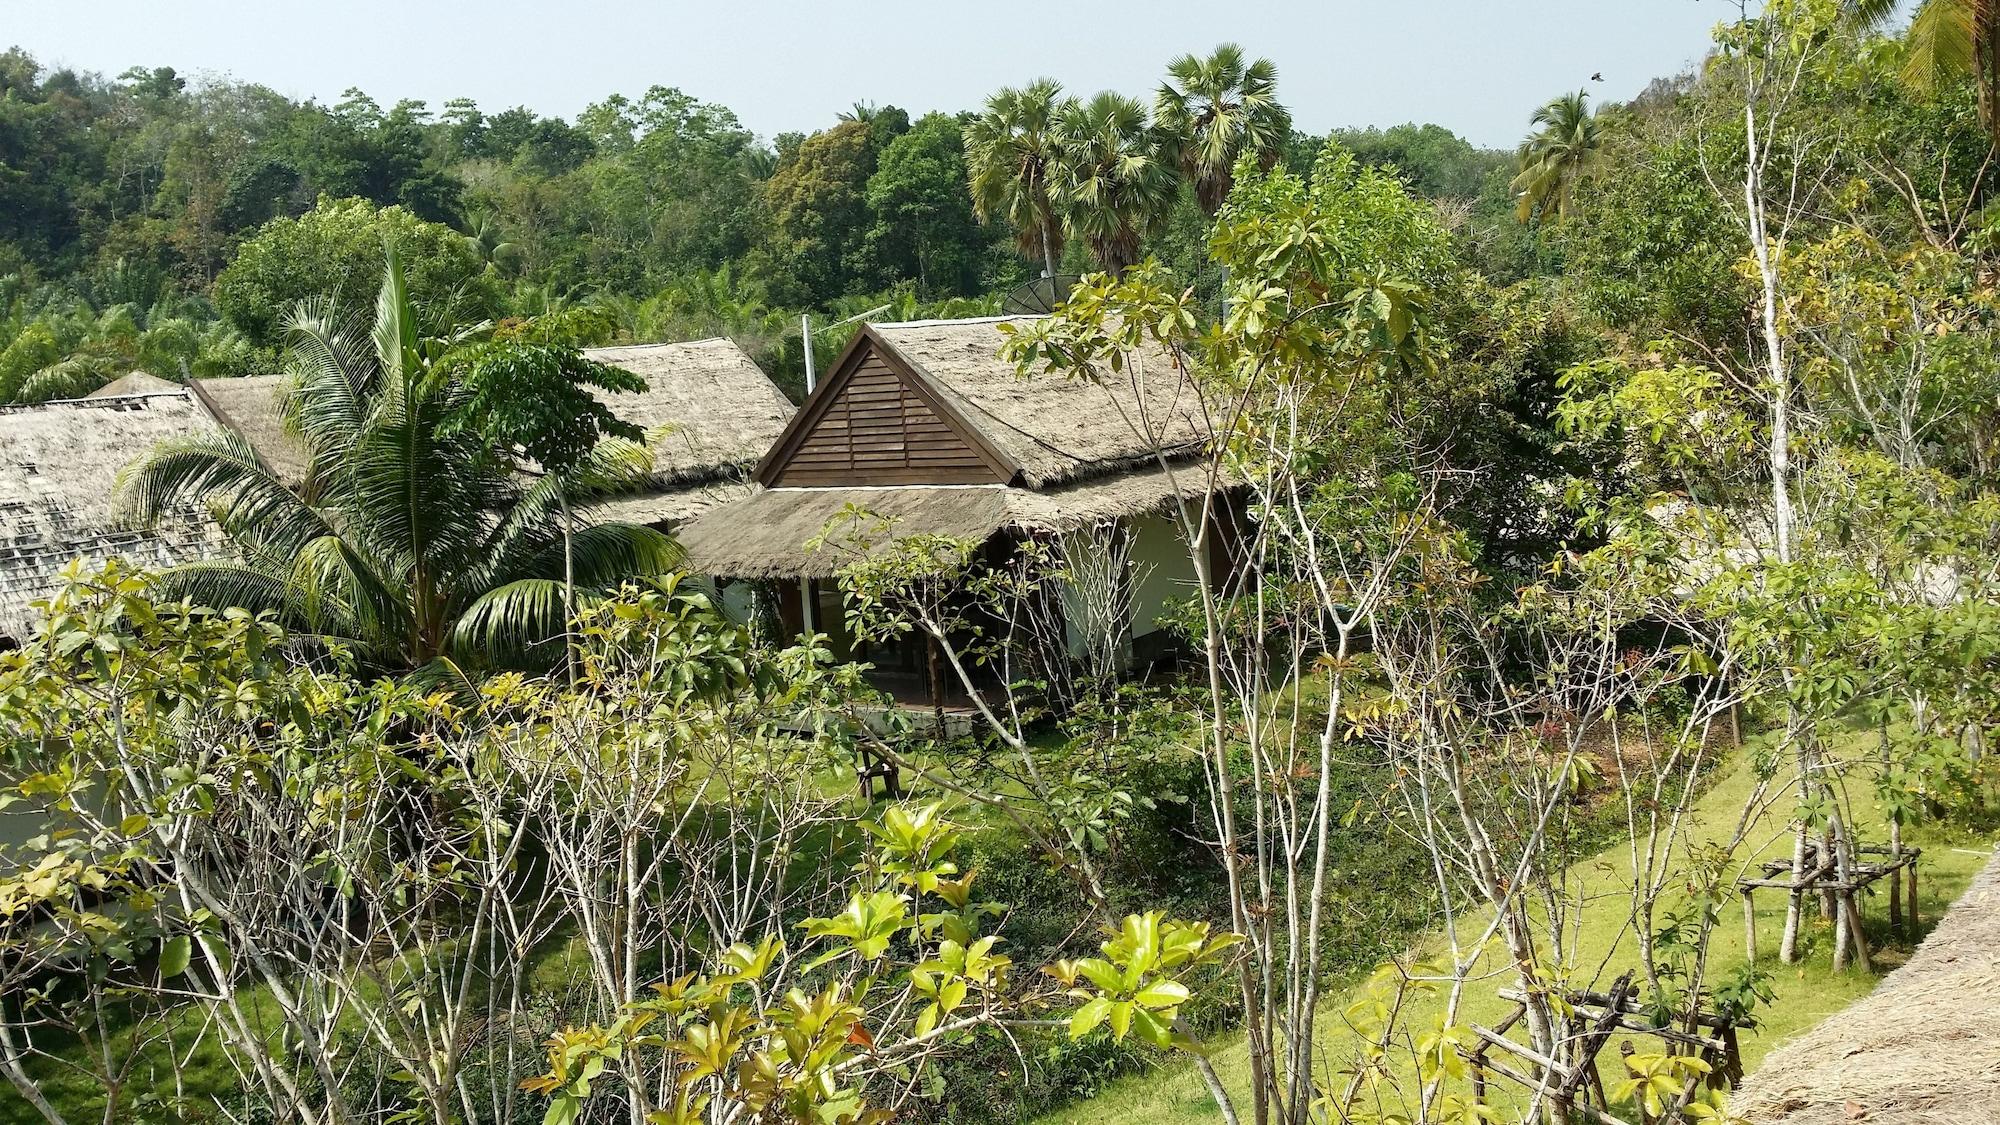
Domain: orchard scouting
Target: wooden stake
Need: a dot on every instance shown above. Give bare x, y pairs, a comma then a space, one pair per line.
1916, 927
1851, 908
1749, 925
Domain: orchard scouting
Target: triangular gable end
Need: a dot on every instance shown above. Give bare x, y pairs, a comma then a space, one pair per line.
877, 421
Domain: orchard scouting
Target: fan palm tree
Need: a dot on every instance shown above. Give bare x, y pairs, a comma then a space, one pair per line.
1555, 156
1116, 178
1011, 156
411, 539
1948, 39
1218, 109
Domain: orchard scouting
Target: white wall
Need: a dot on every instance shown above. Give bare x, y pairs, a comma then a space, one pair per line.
1161, 570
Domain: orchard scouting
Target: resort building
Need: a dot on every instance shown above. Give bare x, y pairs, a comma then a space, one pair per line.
926, 429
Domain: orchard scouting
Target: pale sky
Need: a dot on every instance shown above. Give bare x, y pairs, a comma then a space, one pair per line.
1478, 67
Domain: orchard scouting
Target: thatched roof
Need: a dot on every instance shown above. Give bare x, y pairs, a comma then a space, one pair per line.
137, 383
708, 411
674, 505
253, 406
766, 535
59, 464
1922, 1049
1056, 429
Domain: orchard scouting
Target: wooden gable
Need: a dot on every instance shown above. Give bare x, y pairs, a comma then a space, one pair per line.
875, 421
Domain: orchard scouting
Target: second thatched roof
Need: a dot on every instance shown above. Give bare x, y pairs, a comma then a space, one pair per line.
59, 465
708, 410
135, 384
1057, 429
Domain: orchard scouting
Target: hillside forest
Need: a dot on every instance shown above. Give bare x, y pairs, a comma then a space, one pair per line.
149, 222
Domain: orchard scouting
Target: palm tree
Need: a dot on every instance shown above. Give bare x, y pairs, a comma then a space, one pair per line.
487, 239
1219, 109
412, 539
1116, 177
1011, 155
1556, 156
1948, 39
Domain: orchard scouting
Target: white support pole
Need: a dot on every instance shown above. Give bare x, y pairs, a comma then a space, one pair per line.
806, 606
806, 342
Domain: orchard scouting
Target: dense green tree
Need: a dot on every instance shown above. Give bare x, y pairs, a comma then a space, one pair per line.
413, 537
1436, 162
924, 225
1012, 152
819, 211
535, 401
335, 249
1219, 110
53, 171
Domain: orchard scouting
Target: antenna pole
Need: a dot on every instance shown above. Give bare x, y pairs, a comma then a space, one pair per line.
806, 341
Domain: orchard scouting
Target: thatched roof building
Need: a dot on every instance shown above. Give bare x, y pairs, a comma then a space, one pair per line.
1922, 1049
59, 464
708, 410
924, 424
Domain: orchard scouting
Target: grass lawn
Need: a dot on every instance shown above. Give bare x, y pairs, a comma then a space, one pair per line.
1806, 992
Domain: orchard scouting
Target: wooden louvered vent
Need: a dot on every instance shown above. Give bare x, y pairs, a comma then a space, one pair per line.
877, 429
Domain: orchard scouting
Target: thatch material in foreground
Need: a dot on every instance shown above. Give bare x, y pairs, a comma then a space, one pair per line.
707, 409
1056, 429
766, 535
59, 466
1922, 1049
670, 506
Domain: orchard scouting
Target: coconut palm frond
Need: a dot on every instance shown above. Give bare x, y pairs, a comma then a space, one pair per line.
221, 469
602, 556
613, 467
331, 370
395, 333
606, 554
1872, 14
520, 623
229, 584
1942, 43
336, 591
411, 518
1551, 161
417, 496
